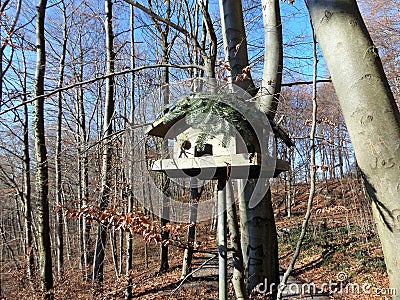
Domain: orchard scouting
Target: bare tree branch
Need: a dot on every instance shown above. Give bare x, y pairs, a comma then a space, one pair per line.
169, 23
305, 82
55, 91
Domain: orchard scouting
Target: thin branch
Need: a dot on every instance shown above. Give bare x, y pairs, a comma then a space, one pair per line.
306, 82
115, 134
55, 91
13, 153
169, 23
190, 274
10, 31
296, 254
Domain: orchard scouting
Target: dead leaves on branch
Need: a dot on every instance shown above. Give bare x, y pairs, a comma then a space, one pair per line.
291, 2
331, 210
137, 222
324, 120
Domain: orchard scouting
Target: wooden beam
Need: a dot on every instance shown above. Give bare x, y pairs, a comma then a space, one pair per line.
214, 167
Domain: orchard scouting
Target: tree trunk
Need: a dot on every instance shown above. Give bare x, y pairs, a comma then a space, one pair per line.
290, 184
235, 44
107, 152
188, 254
222, 245
238, 266
340, 151
258, 238
129, 237
59, 216
268, 95
165, 207
42, 175
83, 165
114, 252
27, 200
259, 264
372, 117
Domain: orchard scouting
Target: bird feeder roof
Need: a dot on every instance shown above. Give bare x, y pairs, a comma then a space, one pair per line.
191, 104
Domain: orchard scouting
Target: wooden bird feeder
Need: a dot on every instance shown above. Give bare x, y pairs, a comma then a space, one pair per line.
213, 159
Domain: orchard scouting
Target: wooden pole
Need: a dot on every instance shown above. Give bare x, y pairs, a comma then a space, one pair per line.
222, 258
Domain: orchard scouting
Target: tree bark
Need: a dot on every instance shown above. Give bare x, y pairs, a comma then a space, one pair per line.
129, 237
164, 216
370, 113
235, 44
42, 175
238, 266
268, 95
258, 232
165, 208
258, 238
188, 254
27, 188
222, 245
58, 187
107, 152
83, 165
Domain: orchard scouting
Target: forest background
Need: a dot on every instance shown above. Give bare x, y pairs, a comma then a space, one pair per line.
98, 76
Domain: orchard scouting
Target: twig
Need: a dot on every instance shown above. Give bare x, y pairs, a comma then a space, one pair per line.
123, 72
296, 254
306, 82
169, 23
190, 274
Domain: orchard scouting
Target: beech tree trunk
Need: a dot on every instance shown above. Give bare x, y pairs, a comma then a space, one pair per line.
129, 236
27, 188
107, 152
222, 245
370, 112
235, 44
83, 165
191, 235
58, 187
258, 238
258, 232
233, 227
165, 209
42, 172
268, 95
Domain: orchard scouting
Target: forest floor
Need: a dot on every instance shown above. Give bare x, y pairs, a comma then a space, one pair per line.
341, 248
341, 256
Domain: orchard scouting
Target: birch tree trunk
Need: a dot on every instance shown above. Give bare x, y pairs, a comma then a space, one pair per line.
370, 112
42, 172
107, 152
